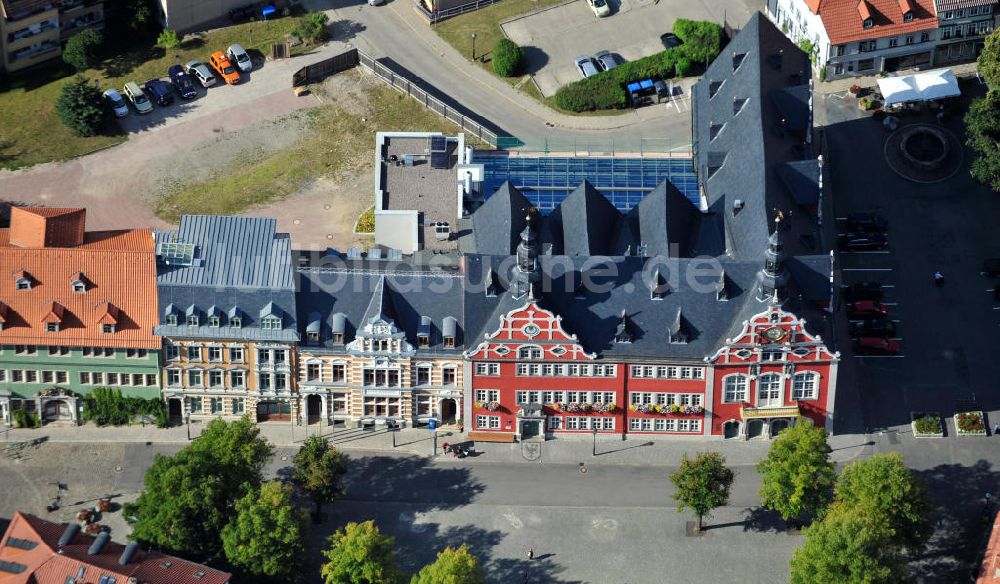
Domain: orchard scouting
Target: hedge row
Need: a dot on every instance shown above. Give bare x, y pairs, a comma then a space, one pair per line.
606, 90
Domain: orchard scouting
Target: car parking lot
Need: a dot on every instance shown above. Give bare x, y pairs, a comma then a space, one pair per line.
553, 38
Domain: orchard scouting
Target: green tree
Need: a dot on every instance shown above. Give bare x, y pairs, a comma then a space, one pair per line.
847, 548
360, 554
266, 536
183, 506
982, 134
702, 40
506, 57
83, 48
988, 62
168, 39
702, 484
318, 470
140, 14
886, 492
797, 476
808, 47
452, 566
189, 497
81, 108
312, 27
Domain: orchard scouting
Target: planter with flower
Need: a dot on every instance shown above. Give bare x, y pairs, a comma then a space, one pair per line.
492, 406
970, 424
927, 425
604, 408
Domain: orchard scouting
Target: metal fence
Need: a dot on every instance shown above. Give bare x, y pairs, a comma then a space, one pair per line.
439, 15
655, 147
404, 85
323, 69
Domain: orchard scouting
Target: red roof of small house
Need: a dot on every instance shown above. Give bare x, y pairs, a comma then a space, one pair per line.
46, 563
117, 268
844, 19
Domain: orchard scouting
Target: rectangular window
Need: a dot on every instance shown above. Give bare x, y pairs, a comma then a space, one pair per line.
84, 377
312, 372
264, 381
555, 423
491, 369
339, 373
339, 403
194, 405
520, 397
112, 378
194, 352
215, 404
893, 43
534, 397
239, 406
61, 376
48, 376
173, 377
841, 50
215, 378
31, 376
866, 64
150, 380
58, 351
488, 422
172, 352
634, 424
194, 378
572, 423
237, 378
236, 354
215, 354
448, 376
280, 382
547, 397
909, 39
522, 370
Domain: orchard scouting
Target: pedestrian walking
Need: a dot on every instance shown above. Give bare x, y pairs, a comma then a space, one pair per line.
531, 553
938, 279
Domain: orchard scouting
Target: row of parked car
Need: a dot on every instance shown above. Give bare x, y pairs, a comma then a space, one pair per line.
869, 322
601, 61
161, 93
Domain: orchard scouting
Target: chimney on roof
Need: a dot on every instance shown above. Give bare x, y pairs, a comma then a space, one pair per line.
46, 227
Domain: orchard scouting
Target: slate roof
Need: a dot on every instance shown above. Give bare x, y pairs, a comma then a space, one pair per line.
345, 297
117, 267
844, 20
755, 139
47, 563
802, 179
241, 266
585, 223
594, 316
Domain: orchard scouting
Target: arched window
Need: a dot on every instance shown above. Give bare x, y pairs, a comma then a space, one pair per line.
529, 352
769, 390
735, 388
805, 385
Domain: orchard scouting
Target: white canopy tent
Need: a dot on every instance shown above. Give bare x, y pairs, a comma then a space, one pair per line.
919, 87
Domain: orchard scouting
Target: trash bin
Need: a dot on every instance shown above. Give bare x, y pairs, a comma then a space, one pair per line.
432, 424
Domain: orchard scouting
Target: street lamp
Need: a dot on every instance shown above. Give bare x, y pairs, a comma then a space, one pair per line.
473, 46
187, 422
594, 451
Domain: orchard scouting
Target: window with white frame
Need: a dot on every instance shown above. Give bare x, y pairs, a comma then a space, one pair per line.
805, 385
424, 405
487, 369
173, 377
339, 403
194, 352
449, 375
236, 354
735, 388
555, 423
215, 354
487, 395
529, 352
237, 379
488, 422
195, 377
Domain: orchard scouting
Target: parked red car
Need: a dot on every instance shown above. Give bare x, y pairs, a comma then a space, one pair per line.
876, 346
867, 309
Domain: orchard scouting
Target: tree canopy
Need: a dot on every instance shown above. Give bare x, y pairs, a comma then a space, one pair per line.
239, 451
988, 62
318, 470
847, 548
797, 476
452, 566
982, 134
82, 49
702, 483
886, 492
360, 554
266, 536
81, 108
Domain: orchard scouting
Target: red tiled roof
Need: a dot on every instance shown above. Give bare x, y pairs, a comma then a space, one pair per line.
813, 5
45, 565
989, 570
844, 19
119, 269
46, 227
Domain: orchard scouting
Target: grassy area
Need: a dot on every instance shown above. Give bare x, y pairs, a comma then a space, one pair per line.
457, 32
335, 143
30, 130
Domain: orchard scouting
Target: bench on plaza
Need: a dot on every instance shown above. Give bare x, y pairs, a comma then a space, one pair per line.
491, 437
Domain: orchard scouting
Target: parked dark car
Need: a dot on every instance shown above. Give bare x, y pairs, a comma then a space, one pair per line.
863, 242
669, 40
182, 82
867, 309
876, 346
867, 222
863, 291
159, 92
872, 327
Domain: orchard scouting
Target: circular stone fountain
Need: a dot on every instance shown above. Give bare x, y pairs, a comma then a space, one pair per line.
923, 153
923, 146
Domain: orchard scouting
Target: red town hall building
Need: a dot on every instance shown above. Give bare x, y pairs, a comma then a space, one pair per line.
678, 318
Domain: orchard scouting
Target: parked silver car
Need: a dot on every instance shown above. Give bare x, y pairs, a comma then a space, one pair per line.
239, 57
586, 66
606, 60
115, 101
200, 71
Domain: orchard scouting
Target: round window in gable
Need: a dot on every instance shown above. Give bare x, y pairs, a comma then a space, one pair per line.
531, 330
501, 350
743, 354
558, 351
801, 352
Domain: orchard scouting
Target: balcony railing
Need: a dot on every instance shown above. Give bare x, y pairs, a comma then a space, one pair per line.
30, 52
748, 412
28, 32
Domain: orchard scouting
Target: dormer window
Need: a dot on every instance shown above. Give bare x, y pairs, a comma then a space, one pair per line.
738, 60
107, 329
738, 103
23, 284
908, 16
713, 88
52, 327
192, 320
312, 336
79, 286
213, 321
423, 340
714, 130
449, 332
270, 323
868, 23
338, 338
529, 353
424, 332
235, 321
172, 319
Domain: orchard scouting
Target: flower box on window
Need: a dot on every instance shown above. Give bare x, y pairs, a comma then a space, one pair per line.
492, 406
